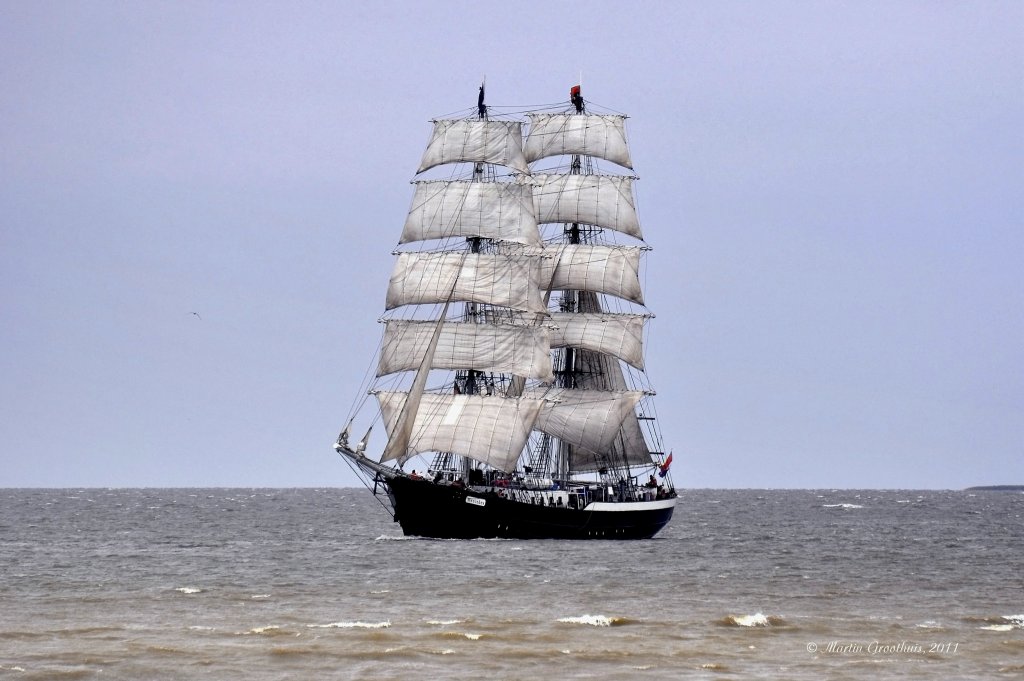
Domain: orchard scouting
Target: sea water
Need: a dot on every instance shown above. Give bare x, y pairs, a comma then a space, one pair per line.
319, 583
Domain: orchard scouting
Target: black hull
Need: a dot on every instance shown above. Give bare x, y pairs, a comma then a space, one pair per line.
440, 511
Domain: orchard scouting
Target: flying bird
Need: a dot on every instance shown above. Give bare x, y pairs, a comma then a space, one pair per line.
197, 314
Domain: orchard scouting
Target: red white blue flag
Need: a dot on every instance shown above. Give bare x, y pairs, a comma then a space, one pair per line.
665, 466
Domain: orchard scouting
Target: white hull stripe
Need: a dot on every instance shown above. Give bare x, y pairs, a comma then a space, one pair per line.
631, 505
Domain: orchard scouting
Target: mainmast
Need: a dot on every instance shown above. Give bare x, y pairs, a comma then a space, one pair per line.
589, 203
567, 370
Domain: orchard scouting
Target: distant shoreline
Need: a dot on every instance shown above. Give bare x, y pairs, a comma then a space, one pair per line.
996, 488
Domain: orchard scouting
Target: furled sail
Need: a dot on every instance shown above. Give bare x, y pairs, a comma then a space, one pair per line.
601, 200
490, 429
619, 335
503, 348
603, 136
476, 141
587, 419
614, 270
492, 278
492, 210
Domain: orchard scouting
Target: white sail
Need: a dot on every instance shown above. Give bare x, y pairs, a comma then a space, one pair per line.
401, 428
614, 270
619, 335
603, 136
503, 348
492, 430
471, 140
492, 210
601, 200
588, 419
597, 371
493, 278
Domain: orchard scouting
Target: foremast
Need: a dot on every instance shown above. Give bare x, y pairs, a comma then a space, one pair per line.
473, 381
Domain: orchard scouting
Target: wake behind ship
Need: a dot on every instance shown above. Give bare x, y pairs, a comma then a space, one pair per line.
510, 378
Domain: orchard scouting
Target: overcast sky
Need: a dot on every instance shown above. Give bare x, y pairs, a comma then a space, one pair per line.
833, 191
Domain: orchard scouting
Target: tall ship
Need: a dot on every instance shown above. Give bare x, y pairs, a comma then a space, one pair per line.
509, 380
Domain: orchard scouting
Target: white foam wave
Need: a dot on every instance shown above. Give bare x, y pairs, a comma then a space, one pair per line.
189, 590
258, 596
842, 506
377, 592
444, 623
394, 537
264, 630
351, 625
758, 619
462, 634
592, 620
1010, 623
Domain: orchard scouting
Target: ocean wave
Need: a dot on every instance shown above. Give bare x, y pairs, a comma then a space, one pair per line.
1004, 623
758, 619
841, 506
395, 537
189, 590
259, 596
351, 625
461, 634
596, 620
444, 623
269, 630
